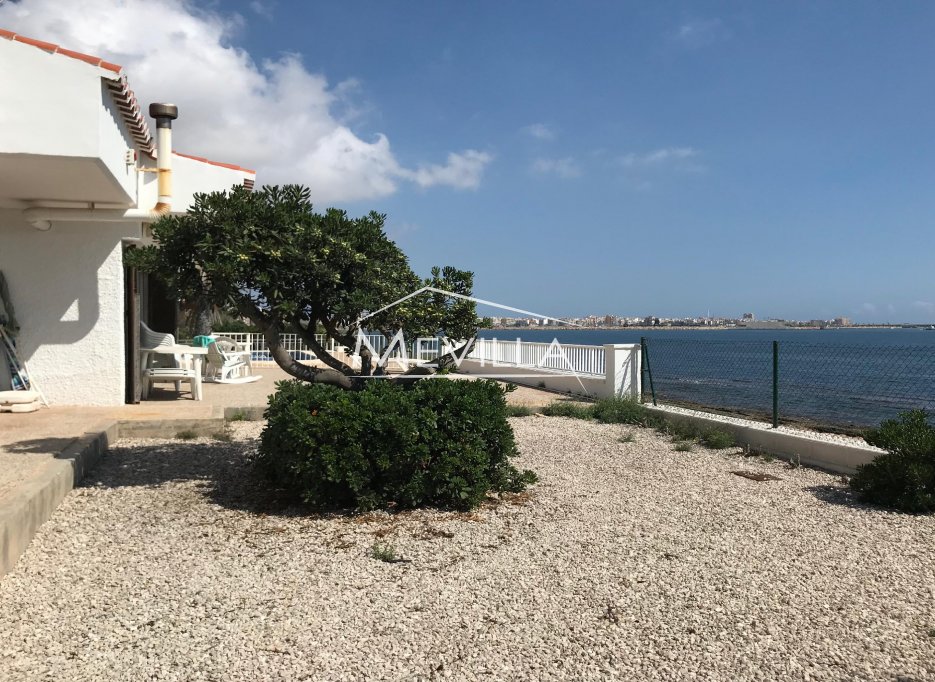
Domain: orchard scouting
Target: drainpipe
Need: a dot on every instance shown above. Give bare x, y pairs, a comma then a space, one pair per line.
164, 115
42, 218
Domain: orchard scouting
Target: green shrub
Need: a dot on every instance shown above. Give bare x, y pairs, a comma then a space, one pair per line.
518, 411
621, 411
904, 477
680, 429
683, 446
434, 443
717, 439
563, 408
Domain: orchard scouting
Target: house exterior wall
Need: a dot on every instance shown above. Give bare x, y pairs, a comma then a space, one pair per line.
57, 107
50, 103
113, 145
190, 176
63, 139
67, 288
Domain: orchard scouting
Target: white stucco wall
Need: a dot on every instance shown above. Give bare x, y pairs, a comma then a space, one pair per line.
67, 288
50, 102
56, 107
190, 176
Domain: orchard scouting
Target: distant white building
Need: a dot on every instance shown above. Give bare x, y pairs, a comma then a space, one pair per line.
74, 196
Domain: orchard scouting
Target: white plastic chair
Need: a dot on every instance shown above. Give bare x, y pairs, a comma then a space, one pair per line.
163, 368
151, 339
229, 363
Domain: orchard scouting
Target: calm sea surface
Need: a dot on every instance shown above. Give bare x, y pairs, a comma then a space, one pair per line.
834, 376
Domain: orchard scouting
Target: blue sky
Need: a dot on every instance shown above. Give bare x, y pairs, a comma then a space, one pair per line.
601, 157
799, 180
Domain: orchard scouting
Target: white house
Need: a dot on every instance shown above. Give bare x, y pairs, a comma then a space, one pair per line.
78, 187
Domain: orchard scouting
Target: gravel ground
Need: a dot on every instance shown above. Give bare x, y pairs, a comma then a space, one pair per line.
628, 560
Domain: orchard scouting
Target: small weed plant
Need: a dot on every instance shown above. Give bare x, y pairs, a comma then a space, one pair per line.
563, 408
717, 439
518, 411
384, 552
187, 434
622, 411
239, 416
683, 446
627, 438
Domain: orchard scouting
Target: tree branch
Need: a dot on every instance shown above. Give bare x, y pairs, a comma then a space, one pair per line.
283, 358
319, 350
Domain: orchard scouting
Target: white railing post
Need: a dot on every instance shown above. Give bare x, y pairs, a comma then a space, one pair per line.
621, 370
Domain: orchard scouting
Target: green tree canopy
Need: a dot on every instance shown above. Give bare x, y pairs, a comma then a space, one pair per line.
268, 255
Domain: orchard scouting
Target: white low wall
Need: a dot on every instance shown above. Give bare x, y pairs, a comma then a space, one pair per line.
809, 450
620, 378
67, 288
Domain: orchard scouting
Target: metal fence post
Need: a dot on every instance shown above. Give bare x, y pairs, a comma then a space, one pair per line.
646, 368
775, 384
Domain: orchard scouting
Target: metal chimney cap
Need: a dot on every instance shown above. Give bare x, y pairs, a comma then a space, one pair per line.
158, 111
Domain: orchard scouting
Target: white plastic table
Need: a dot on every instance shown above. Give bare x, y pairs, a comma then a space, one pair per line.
196, 353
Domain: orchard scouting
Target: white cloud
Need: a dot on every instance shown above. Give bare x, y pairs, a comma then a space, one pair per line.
462, 171
397, 231
262, 8
276, 116
671, 156
563, 168
540, 131
699, 33
642, 170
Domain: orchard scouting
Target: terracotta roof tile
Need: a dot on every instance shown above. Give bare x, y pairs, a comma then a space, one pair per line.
41, 44
215, 163
58, 49
89, 58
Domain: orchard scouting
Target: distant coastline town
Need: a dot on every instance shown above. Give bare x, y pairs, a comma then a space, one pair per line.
745, 321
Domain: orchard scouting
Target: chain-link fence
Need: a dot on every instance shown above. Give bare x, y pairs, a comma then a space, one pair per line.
833, 385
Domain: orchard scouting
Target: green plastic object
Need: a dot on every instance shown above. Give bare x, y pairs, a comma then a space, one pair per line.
202, 341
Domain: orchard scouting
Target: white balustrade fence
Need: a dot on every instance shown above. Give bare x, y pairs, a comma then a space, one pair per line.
593, 371
562, 357
259, 351
421, 349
